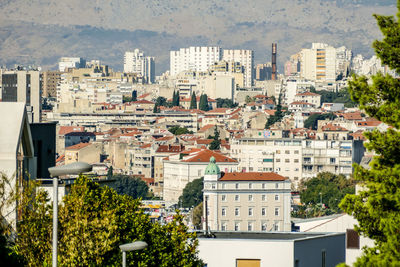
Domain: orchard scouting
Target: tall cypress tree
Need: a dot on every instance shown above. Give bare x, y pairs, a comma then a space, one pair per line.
174, 99
177, 99
193, 102
377, 206
203, 105
134, 95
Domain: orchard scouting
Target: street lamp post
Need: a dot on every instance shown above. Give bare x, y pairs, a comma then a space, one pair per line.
137, 245
55, 172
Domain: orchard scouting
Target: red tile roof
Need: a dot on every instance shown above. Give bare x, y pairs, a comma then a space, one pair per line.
145, 146
77, 146
68, 129
308, 94
165, 138
206, 127
143, 96
218, 110
252, 176
204, 155
170, 148
204, 141
301, 103
143, 101
371, 123
331, 127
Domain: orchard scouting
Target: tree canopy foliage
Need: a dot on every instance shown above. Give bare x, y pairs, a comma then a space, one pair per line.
176, 130
193, 101
216, 143
203, 105
192, 194
225, 103
131, 186
175, 99
278, 116
93, 221
312, 121
377, 206
342, 96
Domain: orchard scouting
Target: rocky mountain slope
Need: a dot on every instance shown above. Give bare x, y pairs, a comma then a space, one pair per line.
40, 31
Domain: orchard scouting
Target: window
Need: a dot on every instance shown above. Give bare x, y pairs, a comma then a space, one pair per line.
263, 186
287, 160
237, 211
237, 226
237, 198
198, 172
223, 186
223, 211
223, 226
250, 226
287, 152
332, 160
276, 226
278, 160
223, 197
278, 152
250, 185
237, 186
276, 197
213, 186
250, 197
276, 211
296, 160
296, 152
263, 226
264, 197
277, 185
250, 211
263, 211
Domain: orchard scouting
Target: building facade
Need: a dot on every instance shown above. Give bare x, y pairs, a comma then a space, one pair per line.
238, 201
137, 62
245, 58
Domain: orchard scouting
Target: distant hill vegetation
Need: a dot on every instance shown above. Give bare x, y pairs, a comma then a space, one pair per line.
41, 31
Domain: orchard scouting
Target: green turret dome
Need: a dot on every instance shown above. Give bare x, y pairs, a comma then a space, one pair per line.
212, 168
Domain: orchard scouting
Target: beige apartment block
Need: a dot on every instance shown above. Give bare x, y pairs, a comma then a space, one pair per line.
85, 152
252, 201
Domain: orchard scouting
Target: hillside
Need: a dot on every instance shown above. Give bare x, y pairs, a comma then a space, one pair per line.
40, 31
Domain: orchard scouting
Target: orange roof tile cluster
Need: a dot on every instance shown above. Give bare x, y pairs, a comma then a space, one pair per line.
369, 123
165, 138
60, 158
145, 146
68, 129
352, 116
331, 127
261, 96
301, 103
143, 96
308, 94
218, 110
358, 135
206, 127
204, 141
170, 148
251, 176
204, 155
77, 146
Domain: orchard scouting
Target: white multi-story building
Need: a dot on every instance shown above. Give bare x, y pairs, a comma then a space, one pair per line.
71, 62
194, 58
187, 166
137, 62
296, 158
245, 58
319, 63
239, 201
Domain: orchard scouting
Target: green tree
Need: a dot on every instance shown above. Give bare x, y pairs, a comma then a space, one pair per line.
126, 99
110, 172
176, 130
279, 114
193, 101
328, 188
203, 105
197, 216
312, 121
134, 95
161, 101
156, 108
131, 186
216, 143
94, 220
192, 194
377, 206
175, 99
225, 103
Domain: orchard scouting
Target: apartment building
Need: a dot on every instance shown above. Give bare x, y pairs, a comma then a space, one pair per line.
194, 58
23, 86
319, 63
137, 62
50, 81
245, 58
296, 158
239, 201
66, 63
